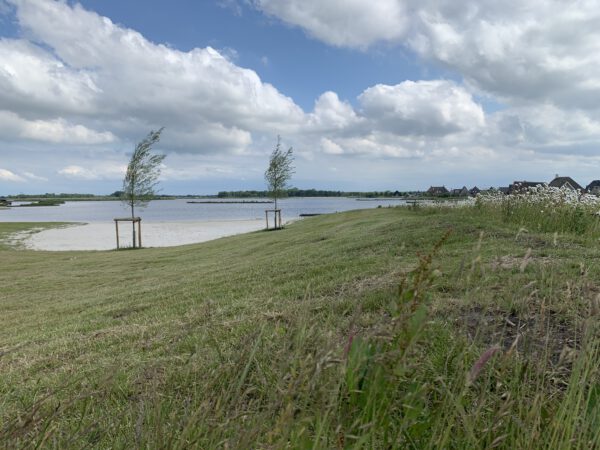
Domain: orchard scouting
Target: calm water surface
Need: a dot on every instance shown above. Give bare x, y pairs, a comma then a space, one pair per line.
180, 210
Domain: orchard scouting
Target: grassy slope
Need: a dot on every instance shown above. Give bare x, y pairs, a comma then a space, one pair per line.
231, 341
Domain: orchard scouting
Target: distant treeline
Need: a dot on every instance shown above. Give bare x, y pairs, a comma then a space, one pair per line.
295, 192
63, 196
51, 195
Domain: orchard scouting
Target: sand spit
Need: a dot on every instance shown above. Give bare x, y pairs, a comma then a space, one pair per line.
101, 236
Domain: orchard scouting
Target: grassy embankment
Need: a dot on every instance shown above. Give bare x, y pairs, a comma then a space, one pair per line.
300, 338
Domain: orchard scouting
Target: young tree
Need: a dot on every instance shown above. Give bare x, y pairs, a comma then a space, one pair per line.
279, 172
142, 174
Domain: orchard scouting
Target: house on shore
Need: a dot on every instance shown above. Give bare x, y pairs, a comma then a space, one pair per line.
474, 191
593, 187
567, 182
462, 192
521, 186
437, 190
5, 202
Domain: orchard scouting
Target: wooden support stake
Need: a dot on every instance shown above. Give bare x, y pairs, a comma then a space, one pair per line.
133, 221
276, 218
140, 233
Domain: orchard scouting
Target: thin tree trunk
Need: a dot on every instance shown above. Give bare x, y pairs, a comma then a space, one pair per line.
133, 223
275, 214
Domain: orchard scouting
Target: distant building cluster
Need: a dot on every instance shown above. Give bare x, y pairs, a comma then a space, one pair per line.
516, 187
441, 191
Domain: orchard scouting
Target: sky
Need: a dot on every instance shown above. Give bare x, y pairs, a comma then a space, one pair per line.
392, 94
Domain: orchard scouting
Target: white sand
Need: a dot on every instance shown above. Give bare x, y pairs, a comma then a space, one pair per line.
101, 236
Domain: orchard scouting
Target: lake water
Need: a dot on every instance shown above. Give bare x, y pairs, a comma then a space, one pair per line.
181, 211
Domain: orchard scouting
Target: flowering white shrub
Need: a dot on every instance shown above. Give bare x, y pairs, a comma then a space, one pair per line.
462, 203
542, 208
446, 203
542, 196
546, 208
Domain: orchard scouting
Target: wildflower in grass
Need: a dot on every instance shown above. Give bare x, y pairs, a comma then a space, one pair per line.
480, 363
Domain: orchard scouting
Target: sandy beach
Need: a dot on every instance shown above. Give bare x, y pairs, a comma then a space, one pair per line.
101, 235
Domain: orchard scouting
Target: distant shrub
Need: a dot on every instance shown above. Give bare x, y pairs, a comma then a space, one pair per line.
545, 208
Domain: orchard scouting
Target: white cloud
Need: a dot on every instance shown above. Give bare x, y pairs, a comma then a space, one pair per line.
97, 73
546, 128
77, 78
119, 81
374, 145
31, 79
103, 171
196, 171
54, 131
408, 120
518, 50
330, 147
34, 177
530, 50
430, 108
7, 175
78, 172
540, 60
343, 23
331, 114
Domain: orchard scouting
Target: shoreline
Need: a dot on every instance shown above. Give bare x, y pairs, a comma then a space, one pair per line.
224, 202
101, 235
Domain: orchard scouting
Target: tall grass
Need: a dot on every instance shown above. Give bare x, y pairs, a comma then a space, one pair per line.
545, 209
408, 379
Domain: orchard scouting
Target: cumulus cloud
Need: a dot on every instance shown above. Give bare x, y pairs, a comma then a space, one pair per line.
77, 172
7, 175
104, 171
343, 23
192, 172
546, 129
545, 51
331, 114
539, 60
57, 131
92, 73
91, 70
430, 108
330, 147
518, 50
32, 80
34, 177
374, 145
76, 78
407, 120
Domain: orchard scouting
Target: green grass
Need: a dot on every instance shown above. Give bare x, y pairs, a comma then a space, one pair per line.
300, 338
